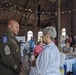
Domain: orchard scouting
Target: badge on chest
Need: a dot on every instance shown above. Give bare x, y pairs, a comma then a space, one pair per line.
17, 50
14, 42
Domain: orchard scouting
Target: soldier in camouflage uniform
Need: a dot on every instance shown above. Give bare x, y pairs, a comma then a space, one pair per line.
10, 61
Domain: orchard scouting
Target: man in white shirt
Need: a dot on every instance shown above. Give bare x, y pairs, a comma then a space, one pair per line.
48, 61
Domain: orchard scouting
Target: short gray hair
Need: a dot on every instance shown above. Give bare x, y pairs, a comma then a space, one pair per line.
51, 30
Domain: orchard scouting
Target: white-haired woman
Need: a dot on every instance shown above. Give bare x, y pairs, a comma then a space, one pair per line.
48, 61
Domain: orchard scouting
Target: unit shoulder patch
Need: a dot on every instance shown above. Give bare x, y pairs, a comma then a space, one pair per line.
5, 39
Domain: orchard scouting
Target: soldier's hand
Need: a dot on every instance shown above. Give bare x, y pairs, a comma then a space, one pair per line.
22, 68
33, 63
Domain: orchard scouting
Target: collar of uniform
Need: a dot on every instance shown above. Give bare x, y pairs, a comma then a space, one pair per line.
9, 33
12, 35
14, 38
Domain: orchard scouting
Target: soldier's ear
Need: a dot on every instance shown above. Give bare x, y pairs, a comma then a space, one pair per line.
9, 26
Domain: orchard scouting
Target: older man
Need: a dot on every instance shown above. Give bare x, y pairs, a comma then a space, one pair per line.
48, 61
10, 62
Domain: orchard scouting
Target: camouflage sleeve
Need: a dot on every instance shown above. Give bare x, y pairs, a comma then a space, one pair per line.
6, 55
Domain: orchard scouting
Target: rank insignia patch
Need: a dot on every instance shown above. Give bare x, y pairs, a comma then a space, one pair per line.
5, 39
7, 50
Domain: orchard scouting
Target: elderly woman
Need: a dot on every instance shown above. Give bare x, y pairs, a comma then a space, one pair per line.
48, 61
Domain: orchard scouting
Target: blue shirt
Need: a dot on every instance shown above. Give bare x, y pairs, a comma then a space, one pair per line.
32, 43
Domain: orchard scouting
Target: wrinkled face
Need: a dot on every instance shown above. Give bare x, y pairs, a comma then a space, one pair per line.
45, 38
14, 28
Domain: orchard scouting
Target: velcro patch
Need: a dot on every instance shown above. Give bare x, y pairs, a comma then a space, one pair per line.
7, 50
5, 39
